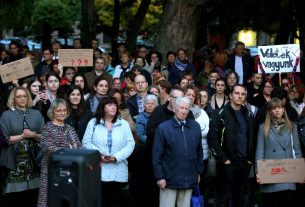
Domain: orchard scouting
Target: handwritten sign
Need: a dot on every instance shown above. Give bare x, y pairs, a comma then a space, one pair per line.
279, 58
75, 57
281, 171
15, 70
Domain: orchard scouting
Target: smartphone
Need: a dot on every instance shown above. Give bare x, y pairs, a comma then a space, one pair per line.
42, 88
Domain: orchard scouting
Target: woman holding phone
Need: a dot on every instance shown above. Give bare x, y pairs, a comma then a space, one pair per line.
39, 96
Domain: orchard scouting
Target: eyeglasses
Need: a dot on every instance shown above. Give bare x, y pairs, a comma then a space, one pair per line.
173, 96
154, 56
21, 96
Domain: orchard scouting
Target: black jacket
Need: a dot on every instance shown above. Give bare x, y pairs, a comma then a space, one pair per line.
301, 130
224, 124
248, 65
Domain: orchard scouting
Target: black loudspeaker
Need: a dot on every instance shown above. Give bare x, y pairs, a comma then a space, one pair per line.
74, 178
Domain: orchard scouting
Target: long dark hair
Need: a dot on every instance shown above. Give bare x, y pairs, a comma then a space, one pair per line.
85, 90
81, 108
114, 91
30, 81
100, 111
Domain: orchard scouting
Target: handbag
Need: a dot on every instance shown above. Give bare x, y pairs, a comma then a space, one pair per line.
211, 168
36, 153
197, 199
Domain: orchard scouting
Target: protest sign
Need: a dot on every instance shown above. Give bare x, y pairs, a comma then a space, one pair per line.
75, 57
16, 70
279, 58
281, 171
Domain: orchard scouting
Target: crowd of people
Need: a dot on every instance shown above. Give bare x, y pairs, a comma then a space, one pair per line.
156, 125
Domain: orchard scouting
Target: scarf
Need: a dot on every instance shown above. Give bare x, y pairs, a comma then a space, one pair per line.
181, 65
279, 124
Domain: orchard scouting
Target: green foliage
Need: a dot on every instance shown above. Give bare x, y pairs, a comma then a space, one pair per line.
15, 14
58, 13
104, 9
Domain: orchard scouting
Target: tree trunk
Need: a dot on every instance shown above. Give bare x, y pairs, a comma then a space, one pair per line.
88, 25
179, 26
115, 26
136, 24
46, 35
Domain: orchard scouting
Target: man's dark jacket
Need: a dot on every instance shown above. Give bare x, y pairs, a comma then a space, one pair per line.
222, 136
177, 154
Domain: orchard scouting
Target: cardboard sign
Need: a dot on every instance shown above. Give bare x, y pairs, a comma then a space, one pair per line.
75, 57
15, 70
281, 171
279, 58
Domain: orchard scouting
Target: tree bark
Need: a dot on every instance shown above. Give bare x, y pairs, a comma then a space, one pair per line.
115, 26
88, 25
179, 26
136, 24
46, 35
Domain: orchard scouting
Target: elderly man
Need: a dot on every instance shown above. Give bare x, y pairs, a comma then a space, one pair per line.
177, 156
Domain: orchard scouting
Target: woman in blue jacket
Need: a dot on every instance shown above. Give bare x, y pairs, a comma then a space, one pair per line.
112, 137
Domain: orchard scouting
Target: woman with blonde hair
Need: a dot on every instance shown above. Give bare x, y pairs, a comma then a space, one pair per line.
21, 126
277, 139
56, 135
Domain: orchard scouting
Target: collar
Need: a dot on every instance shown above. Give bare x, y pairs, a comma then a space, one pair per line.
176, 122
21, 111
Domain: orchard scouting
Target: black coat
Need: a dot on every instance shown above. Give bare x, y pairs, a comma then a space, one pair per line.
222, 136
79, 123
301, 130
248, 65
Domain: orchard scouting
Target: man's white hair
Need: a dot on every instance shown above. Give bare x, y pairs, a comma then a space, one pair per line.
183, 99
